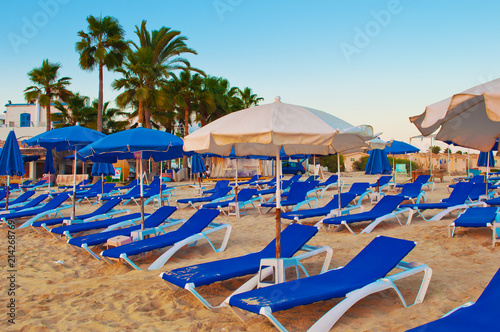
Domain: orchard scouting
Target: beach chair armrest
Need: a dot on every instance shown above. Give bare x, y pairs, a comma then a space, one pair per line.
307, 201
126, 223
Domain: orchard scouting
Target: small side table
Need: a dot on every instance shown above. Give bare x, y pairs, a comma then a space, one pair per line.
278, 265
233, 209
141, 234
375, 197
118, 241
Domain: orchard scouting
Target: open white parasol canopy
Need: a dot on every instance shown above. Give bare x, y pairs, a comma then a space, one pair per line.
470, 118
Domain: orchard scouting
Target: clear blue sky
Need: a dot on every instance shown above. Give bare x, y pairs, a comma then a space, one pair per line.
368, 62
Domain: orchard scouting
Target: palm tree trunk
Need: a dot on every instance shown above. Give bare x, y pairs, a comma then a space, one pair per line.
101, 97
147, 116
141, 113
186, 131
47, 115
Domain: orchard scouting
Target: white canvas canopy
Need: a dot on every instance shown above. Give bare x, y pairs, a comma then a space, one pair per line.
264, 130
470, 118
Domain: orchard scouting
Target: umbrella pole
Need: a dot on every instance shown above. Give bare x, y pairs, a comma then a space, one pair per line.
278, 205
7, 195
338, 180
73, 213
161, 184
487, 172
142, 198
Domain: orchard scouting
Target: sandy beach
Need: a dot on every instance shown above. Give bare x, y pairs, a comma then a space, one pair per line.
61, 287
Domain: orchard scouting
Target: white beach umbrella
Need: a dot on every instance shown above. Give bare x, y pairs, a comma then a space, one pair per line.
265, 129
470, 118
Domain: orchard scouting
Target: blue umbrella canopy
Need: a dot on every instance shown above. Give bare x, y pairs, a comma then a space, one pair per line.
155, 144
11, 161
66, 138
398, 147
28, 158
197, 164
378, 163
105, 169
483, 159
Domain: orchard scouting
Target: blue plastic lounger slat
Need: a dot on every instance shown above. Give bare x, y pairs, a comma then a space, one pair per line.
220, 192
476, 217
284, 185
189, 232
21, 199
412, 191
47, 207
494, 201
101, 211
297, 194
365, 274
293, 238
252, 180
94, 225
345, 199
480, 316
382, 181
134, 192
384, 209
456, 201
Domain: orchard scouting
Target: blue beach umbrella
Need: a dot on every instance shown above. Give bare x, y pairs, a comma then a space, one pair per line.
378, 163
103, 169
11, 161
64, 139
398, 147
486, 159
134, 143
197, 166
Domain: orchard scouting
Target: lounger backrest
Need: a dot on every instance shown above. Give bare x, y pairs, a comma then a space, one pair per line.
345, 198
159, 216
14, 186
24, 196
246, 194
222, 184
35, 201
295, 178
387, 204
136, 190
491, 293
411, 189
107, 187
422, 179
477, 190
298, 191
332, 179
198, 221
460, 193
56, 201
106, 207
220, 192
477, 179
359, 188
384, 179
293, 237
378, 258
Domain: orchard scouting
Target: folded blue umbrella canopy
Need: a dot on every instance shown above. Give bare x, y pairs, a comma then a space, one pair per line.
378, 163
486, 159
11, 162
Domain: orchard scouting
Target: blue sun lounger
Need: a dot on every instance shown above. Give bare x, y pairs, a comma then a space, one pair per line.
217, 195
132, 193
297, 194
332, 206
122, 221
386, 208
478, 217
412, 192
153, 221
285, 185
53, 207
293, 238
39, 184
106, 188
245, 197
104, 211
218, 185
131, 185
31, 204
21, 199
423, 180
479, 316
332, 181
250, 182
383, 182
456, 201
360, 189
478, 192
365, 274
78, 185
190, 232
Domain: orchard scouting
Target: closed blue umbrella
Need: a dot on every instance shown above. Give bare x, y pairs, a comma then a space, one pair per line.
135, 143
486, 159
64, 139
378, 163
11, 161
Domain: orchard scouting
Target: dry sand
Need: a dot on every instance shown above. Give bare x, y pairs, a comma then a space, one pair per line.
86, 294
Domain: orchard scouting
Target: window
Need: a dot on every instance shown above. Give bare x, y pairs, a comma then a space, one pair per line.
352, 159
25, 120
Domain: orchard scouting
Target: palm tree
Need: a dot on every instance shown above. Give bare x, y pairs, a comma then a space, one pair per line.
74, 111
47, 87
167, 46
249, 99
101, 46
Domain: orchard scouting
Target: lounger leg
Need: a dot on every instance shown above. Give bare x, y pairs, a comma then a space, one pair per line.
266, 311
84, 246
451, 229
126, 259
